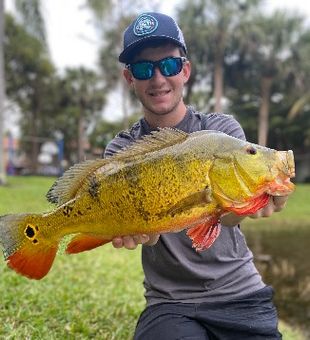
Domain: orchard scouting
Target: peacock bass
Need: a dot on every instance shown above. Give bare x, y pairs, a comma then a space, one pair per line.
166, 182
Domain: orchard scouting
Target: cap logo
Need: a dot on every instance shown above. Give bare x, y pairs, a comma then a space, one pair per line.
145, 24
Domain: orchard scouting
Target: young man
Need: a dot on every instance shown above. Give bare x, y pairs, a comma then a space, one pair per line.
217, 293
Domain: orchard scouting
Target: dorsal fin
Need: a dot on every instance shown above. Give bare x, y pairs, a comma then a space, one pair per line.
156, 140
67, 186
79, 175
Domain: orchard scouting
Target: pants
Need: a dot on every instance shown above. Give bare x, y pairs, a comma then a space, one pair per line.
251, 317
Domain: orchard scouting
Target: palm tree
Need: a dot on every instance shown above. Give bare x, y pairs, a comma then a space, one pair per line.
210, 27
32, 19
273, 38
30, 15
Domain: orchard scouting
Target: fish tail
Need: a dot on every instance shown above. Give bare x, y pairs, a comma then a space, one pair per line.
25, 247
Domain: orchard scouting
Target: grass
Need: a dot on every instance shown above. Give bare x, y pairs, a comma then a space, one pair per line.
93, 295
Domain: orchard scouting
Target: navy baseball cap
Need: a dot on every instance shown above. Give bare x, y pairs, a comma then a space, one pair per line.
150, 26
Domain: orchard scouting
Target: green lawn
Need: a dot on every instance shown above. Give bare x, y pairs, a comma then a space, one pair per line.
92, 295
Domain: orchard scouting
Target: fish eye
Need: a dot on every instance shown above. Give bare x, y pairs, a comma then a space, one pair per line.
251, 150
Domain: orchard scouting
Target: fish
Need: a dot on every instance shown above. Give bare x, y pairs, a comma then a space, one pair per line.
167, 181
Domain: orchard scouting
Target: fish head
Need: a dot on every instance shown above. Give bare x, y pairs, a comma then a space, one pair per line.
265, 170
243, 172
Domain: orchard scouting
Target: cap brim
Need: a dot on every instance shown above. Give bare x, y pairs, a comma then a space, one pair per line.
126, 55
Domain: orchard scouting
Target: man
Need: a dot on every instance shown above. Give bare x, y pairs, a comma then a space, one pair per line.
217, 293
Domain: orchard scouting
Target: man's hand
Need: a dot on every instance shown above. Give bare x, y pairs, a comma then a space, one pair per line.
275, 204
131, 242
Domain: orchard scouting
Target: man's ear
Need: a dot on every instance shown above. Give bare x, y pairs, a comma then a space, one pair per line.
186, 71
128, 76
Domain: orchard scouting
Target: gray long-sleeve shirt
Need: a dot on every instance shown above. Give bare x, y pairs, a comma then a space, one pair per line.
174, 271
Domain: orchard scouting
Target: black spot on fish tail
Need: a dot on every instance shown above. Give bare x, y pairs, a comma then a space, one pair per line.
93, 187
29, 231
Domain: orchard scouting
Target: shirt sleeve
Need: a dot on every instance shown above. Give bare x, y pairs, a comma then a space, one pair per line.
227, 124
121, 140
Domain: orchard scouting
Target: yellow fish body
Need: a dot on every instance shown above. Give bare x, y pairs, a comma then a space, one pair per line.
166, 182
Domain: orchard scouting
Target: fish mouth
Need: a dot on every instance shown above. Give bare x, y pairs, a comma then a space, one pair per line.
286, 163
285, 167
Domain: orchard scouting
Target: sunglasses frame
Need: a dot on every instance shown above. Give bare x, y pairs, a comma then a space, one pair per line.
155, 64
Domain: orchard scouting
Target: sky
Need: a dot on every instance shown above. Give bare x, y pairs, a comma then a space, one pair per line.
73, 41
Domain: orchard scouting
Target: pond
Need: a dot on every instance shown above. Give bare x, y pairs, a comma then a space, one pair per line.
283, 259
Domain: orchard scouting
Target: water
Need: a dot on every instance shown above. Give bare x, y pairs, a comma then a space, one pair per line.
283, 259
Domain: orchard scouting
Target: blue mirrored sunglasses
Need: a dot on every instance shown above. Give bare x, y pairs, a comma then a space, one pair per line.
168, 67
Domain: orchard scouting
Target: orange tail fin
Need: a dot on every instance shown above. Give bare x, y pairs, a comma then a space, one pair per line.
25, 246
83, 242
34, 265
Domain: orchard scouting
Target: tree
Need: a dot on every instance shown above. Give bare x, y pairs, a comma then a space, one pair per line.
120, 13
301, 53
30, 14
28, 75
210, 27
2, 93
271, 39
31, 18
81, 98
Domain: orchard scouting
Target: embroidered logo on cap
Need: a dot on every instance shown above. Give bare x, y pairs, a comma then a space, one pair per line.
145, 24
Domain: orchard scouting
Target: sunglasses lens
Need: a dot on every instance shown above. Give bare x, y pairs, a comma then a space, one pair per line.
170, 66
142, 70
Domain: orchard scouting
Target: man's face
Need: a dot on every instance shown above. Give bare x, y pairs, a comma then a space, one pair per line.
160, 95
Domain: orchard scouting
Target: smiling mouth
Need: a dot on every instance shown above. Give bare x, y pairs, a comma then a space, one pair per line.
159, 93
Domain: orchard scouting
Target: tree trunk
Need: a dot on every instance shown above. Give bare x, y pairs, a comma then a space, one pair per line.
263, 117
2, 94
218, 71
218, 84
80, 138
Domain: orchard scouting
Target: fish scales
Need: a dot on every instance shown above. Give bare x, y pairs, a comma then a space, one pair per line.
166, 182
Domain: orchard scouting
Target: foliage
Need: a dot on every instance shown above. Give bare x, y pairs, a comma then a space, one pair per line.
30, 14
79, 103
49, 103
104, 131
246, 57
210, 29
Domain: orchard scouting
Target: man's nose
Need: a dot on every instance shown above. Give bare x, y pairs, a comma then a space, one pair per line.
157, 73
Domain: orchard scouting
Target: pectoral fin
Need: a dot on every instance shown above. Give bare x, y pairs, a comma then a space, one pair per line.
199, 198
82, 242
203, 235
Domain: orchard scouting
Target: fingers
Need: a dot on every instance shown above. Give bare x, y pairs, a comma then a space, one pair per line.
130, 242
275, 204
279, 202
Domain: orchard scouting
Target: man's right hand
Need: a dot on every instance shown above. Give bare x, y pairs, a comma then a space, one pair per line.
132, 241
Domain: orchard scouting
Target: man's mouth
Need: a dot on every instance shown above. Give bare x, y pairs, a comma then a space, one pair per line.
160, 93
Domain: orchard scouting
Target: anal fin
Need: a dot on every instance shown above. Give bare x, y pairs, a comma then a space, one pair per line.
204, 234
83, 242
